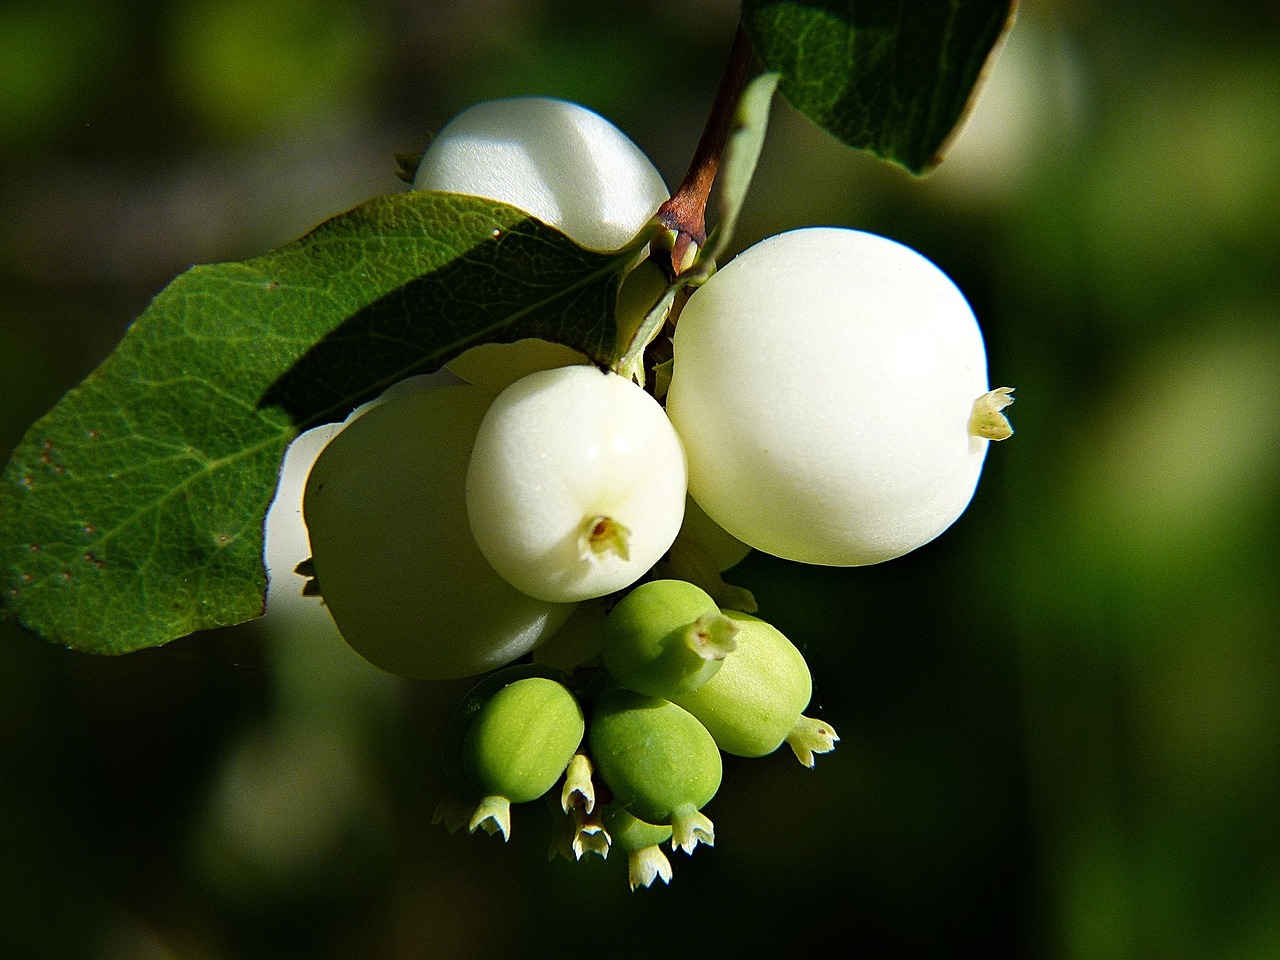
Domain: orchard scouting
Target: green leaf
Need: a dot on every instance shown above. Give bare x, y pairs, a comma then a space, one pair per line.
132, 513
742, 153
885, 76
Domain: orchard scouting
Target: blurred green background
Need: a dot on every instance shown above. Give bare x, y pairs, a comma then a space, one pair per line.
1060, 721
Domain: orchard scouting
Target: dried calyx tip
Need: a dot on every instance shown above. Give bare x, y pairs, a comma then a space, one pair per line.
810, 736
602, 537
713, 636
986, 420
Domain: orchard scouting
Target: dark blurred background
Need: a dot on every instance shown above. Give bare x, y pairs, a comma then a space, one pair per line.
1060, 721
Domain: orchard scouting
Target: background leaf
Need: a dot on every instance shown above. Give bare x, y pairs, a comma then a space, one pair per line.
881, 75
132, 513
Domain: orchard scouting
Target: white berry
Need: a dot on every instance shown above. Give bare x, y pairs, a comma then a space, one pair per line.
392, 551
823, 384
564, 164
576, 484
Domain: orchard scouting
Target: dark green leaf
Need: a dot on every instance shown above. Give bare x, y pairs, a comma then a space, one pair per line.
886, 76
132, 513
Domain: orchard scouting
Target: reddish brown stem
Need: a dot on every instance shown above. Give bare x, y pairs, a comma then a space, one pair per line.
686, 212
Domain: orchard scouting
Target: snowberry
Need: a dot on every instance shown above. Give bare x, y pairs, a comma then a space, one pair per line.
564, 164
576, 484
824, 384
495, 366
393, 554
569, 167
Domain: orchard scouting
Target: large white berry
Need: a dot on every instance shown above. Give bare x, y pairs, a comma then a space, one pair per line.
824, 384
567, 165
392, 551
576, 484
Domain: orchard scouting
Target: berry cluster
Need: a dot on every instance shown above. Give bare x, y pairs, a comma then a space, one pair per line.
827, 403
634, 733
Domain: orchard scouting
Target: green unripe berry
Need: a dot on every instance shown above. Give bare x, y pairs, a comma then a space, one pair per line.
518, 744
754, 702
666, 637
643, 845
660, 763
482, 692
629, 832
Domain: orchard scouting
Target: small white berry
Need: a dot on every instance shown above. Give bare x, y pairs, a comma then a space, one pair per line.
576, 484
567, 165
